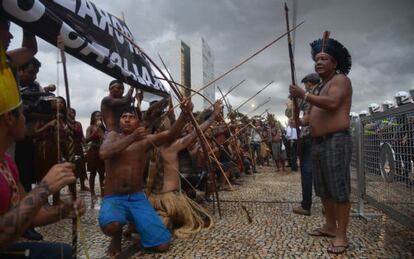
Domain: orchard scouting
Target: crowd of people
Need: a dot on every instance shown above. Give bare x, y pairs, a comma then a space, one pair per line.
151, 166
156, 170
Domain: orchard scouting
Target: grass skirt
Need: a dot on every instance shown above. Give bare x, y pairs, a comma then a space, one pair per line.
180, 213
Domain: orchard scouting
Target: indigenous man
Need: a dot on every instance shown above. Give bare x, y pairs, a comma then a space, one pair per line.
279, 155
125, 155
94, 137
114, 103
332, 145
206, 181
24, 148
225, 158
255, 140
176, 209
18, 210
310, 82
32, 93
16, 57
79, 142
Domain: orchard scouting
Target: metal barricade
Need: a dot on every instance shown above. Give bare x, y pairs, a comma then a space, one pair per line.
383, 162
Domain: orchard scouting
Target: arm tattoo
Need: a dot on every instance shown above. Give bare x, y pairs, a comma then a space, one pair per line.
14, 222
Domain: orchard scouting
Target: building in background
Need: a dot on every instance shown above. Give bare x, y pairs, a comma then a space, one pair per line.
202, 72
176, 55
191, 65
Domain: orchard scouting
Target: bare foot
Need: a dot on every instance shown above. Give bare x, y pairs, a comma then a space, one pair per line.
114, 248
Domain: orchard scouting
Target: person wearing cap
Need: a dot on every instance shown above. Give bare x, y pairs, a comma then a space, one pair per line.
114, 103
332, 145
310, 81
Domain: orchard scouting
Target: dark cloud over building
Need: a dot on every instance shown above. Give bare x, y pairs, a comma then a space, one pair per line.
378, 34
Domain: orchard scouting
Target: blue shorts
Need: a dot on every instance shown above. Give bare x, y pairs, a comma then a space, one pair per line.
135, 208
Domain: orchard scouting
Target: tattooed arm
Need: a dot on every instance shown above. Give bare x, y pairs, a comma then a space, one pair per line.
50, 214
14, 222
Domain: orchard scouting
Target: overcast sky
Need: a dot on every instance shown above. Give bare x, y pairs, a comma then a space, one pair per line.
379, 35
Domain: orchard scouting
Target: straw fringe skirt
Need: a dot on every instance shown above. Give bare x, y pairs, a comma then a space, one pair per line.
181, 213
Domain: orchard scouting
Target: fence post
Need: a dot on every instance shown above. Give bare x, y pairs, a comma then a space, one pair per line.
360, 167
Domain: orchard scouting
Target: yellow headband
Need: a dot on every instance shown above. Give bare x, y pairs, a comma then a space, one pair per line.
9, 91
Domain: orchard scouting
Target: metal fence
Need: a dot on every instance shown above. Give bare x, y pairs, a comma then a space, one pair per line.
383, 162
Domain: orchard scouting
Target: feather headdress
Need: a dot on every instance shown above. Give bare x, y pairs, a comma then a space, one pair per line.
334, 49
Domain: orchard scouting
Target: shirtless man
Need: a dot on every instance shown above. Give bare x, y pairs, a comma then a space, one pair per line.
169, 153
125, 155
174, 206
332, 146
114, 103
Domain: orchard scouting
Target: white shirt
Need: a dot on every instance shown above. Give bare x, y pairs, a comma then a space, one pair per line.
291, 133
255, 136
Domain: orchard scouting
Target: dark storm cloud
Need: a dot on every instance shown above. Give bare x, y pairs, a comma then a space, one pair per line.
377, 33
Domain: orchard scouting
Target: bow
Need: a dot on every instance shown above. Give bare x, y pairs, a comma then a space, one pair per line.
233, 143
242, 62
200, 134
261, 105
225, 100
71, 147
171, 108
261, 90
235, 146
293, 78
212, 156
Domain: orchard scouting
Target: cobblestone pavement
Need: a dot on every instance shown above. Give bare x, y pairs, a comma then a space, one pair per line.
274, 233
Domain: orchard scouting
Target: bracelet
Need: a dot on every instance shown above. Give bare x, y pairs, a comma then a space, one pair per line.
305, 97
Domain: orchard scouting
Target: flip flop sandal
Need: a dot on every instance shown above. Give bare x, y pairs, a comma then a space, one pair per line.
339, 249
319, 233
